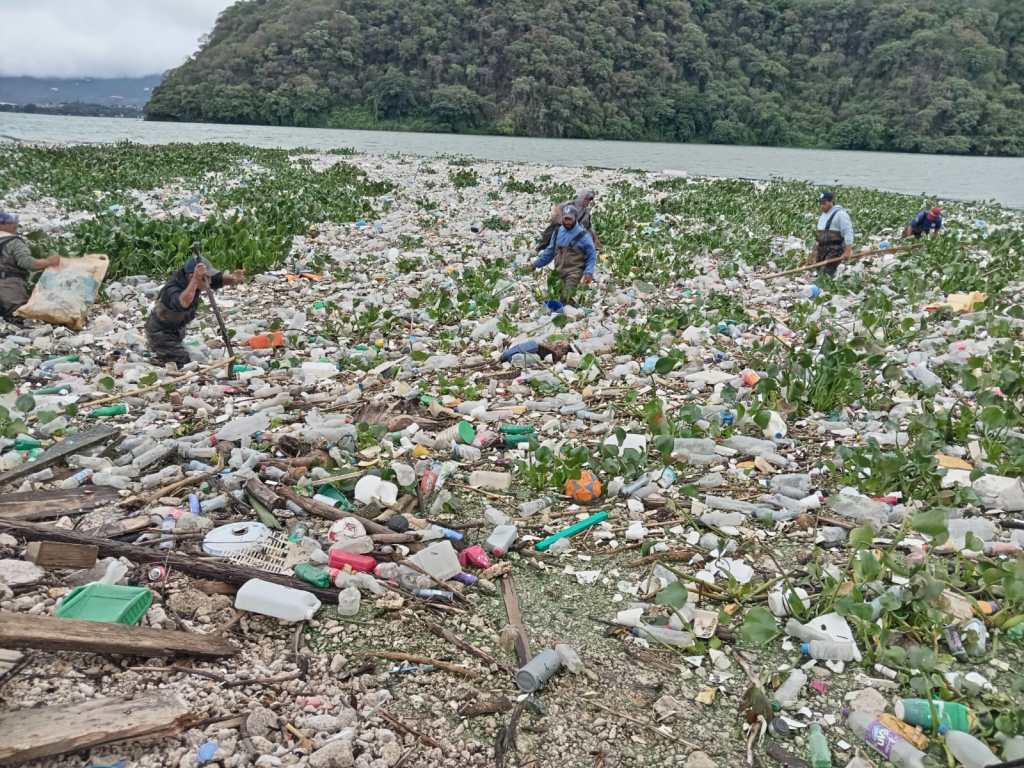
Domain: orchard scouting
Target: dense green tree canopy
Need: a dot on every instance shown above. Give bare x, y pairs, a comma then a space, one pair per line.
911, 75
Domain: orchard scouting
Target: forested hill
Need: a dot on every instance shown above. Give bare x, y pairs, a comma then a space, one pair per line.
911, 75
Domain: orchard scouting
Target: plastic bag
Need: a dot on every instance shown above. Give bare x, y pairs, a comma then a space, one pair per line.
64, 294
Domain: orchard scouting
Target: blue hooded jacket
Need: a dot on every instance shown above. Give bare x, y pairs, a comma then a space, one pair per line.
564, 238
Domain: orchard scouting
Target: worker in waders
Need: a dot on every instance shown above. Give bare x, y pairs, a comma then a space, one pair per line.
16, 264
924, 223
572, 249
177, 305
835, 233
583, 201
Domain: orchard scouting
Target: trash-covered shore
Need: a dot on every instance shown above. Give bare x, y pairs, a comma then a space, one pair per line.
812, 486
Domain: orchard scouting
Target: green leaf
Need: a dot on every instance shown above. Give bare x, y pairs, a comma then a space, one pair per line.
759, 627
665, 365
761, 418
932, 522
148, 380
664, 444
993, 417
674, 594
920, 657
973, 543
25, 403
45, 417
418, 356
6, 385
895, 655
861, 538
107, 383
866, 567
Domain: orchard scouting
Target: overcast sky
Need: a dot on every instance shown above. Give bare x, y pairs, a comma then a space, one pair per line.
101, 38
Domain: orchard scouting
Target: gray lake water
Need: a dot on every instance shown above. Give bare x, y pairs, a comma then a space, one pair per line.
938, 176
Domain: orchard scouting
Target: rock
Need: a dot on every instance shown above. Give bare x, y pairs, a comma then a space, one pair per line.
347, 717
320, 723
336, 754
391, 753
261, 722
267, 761
6, 540
18, 572
700, 760
866, 700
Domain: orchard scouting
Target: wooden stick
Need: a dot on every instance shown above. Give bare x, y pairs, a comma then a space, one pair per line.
466, 646
409, 729
177, 485
641, 723
412, 658
151, 387
328, 512
223, 330
838, 259
515, 619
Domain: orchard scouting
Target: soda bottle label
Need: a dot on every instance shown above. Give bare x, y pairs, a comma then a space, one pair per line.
881, 738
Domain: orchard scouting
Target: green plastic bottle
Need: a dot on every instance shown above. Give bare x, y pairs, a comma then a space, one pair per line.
516, 429
817, 748
239, 368
53, 389
952, 715
26, 443
109, 410
318, 577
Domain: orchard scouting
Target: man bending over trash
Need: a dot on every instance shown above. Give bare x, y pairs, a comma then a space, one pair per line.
16, 263
573, 250
177, 305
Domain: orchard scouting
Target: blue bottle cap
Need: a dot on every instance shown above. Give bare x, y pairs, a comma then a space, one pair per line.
805, 649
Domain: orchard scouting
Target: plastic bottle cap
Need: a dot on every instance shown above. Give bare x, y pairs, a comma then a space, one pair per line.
498, 551
805, 649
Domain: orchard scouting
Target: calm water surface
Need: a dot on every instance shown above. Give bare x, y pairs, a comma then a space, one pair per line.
941, 176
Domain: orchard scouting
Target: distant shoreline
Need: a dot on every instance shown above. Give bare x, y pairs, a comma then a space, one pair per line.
74, 109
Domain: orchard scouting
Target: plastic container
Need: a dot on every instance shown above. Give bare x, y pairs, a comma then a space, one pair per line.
439, 560
952, 715
776, 428
818, 753
501, 539
893, 747
277, 601
311, 574
112, 603
538, 670
969, 751
339, 558
348, 601
494, 481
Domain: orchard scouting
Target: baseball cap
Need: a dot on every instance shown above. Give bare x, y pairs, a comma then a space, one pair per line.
826, 197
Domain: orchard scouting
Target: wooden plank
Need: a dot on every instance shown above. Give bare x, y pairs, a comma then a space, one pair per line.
48, 505
31, 734
515, 619
50, 633
53, 554
202, 568
78, 442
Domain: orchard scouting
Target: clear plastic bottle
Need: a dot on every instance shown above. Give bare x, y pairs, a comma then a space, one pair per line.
528, 508
969, 751
776, 428
501, 539
828, 650
789, 692
897, 750
348, 601
664, 635
77, 479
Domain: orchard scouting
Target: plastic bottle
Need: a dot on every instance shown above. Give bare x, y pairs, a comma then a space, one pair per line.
348, 601
76, 479
501, 540
663, 635
952, 715
897, 750
246, 426
269, 599
969, 751
496, 481
1013, 749
528, 508
776, 429
110, 480
817, 748
108, 410
26, 443
311, 574
828, 650
789, 692
810, 291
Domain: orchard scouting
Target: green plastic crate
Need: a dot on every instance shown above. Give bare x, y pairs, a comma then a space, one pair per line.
112, 603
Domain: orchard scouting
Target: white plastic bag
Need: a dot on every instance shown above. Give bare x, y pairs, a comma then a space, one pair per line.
64, 294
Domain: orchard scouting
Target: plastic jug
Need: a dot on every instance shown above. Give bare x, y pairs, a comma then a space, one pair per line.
269, 599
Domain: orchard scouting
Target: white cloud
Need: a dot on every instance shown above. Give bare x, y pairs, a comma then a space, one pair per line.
101, 38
